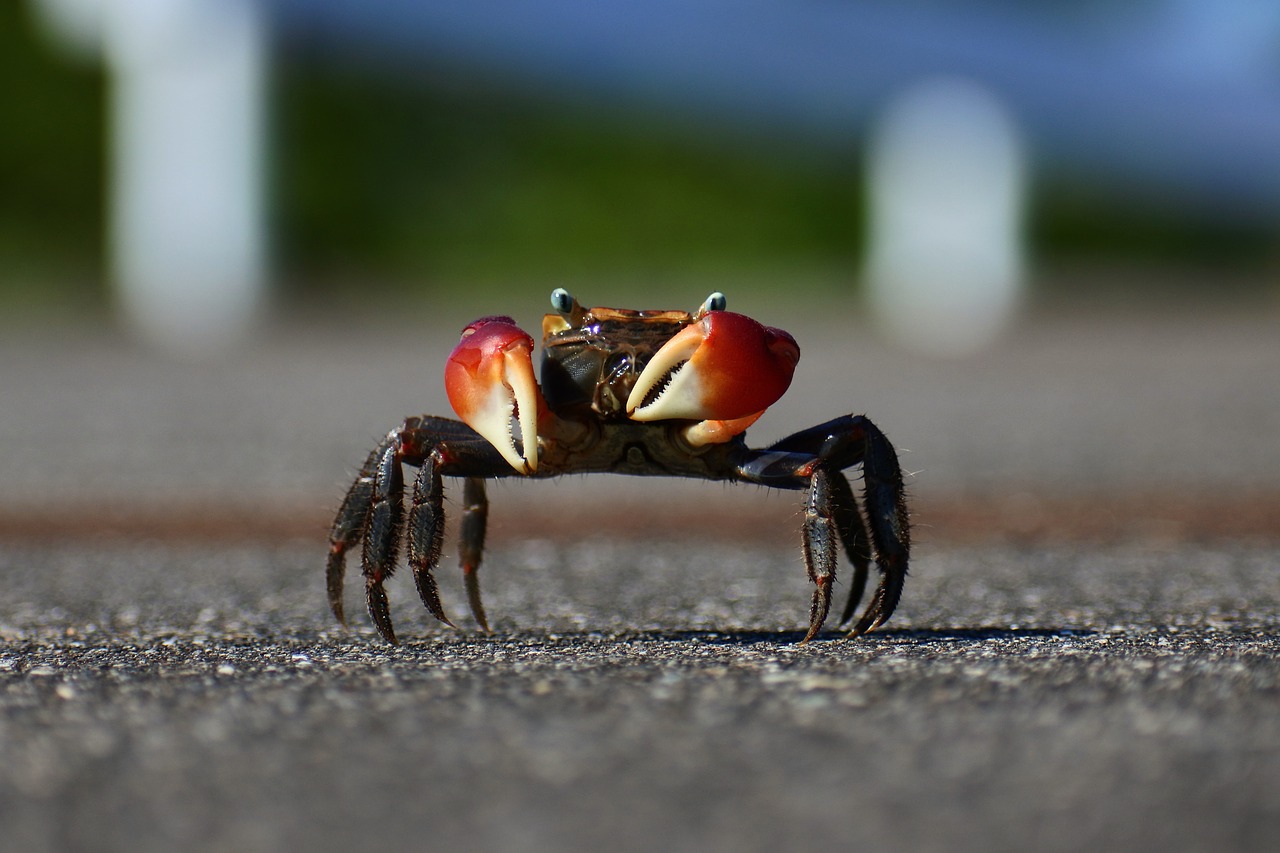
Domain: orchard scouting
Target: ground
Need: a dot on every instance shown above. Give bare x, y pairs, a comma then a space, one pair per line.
1086, 653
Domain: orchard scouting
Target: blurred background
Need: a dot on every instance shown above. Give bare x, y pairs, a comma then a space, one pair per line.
1037, 243
237, 238
417, 152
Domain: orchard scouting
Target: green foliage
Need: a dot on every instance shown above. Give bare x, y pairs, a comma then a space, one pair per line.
435, 181
51, 160
438, 184
1078, 219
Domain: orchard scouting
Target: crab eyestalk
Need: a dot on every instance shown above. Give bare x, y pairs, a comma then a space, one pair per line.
490, 382
723, 367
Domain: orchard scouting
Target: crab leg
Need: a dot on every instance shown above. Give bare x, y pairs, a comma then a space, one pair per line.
426, 533
372, 513
853, 535
830, 513
382, 538
819, 540
348, 528
842, 443
459, 451
890, 532
475, 516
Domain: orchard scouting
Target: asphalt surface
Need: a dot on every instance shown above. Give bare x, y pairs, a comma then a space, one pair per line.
159, 698
183, 687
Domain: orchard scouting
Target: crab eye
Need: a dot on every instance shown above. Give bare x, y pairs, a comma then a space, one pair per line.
562, 301
714, 302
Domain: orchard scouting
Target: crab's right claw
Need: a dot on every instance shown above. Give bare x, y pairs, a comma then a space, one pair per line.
490, 382
723, 369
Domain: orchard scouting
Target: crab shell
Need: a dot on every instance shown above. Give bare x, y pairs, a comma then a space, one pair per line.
716, 371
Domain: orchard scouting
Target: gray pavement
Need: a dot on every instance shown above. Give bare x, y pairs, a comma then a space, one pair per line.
170, 689
1090, 402
642, 698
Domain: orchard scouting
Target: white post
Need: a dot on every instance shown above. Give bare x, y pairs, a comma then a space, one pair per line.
947, 195
186, 223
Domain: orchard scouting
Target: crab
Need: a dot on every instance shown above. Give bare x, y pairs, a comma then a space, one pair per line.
651, 393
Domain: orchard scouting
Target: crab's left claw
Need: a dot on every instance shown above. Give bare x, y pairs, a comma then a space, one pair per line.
724, 369
490, 382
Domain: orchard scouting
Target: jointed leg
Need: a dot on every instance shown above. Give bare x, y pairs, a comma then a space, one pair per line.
886, 509
830, 512
475, 516
853, 535
382, 537
373, 514
426, 534
819, 539
348, 528
811, 459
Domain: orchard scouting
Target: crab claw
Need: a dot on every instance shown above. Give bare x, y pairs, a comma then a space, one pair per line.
490, 382
723, 367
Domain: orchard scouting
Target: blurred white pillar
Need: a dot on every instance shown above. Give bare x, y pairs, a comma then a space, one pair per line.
947, 191
187, 231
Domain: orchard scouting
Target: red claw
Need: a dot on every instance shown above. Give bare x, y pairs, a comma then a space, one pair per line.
489, 379
724, 367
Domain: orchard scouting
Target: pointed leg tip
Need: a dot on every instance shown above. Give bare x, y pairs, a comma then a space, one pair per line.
475, 601
384, 628
820, 608
863, 625
816, 622
386, 631
380, 611
868, 623
431, 600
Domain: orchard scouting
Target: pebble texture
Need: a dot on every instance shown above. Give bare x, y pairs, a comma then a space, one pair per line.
172, 680
641, 698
